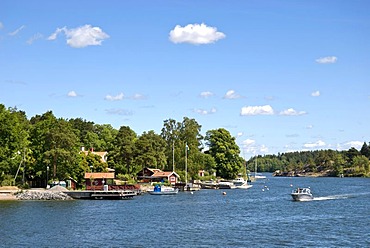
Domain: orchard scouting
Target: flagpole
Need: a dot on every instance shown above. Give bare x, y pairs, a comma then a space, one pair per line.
173, 155
186, 163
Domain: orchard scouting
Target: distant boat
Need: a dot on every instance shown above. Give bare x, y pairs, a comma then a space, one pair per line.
240, 183
226, 185
257, 175
302, 194
163, 190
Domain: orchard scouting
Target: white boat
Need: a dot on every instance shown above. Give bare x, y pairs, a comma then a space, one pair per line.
244, 186
226, 185
240, 183
257, 175
302, 194
163, 190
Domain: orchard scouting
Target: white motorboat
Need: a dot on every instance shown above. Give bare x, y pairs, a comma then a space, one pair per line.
302, 194
163, 190
244, 186
226, 185
240, 183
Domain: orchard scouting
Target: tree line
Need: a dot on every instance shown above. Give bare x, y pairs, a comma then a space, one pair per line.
324, 162
45, 147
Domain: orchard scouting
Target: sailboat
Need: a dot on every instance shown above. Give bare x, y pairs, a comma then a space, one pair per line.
256, 175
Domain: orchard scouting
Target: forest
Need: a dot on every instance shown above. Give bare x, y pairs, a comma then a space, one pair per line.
46, 148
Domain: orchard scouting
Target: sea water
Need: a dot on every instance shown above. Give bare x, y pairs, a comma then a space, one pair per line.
262, 216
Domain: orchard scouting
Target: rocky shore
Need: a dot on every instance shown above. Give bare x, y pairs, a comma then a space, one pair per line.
55, 193
42, 195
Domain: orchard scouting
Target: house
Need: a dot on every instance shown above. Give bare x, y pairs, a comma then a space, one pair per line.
97, 180
157, 175
103, 155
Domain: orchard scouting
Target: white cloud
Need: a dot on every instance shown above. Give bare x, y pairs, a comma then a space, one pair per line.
1, 25
257, 110
195, 34
315, 93
138, 96
205, 112
72, 94
17, 30
119, 112
314, 145
248, 142
82, 36
231, 94
34, 38
327, 60
206, 94
291, 111
118, 97
350, 144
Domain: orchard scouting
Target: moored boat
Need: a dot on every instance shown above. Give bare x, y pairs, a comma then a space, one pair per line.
302, 194
163, 190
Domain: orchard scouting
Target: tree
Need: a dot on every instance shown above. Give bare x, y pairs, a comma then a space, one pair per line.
150, 150
365, 150
225, 151
122, 155
13, 143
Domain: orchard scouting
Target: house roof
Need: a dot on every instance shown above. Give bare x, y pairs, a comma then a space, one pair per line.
164, 174
99, 175
101, 154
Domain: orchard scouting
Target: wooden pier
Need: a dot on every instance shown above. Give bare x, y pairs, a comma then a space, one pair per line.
102, 194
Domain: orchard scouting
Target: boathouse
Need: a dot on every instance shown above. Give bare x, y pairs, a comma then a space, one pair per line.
97, 180
157, 175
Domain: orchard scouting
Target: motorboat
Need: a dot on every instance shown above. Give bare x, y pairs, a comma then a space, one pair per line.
302, 194
240, 183
244, 186
226, 185
163, 190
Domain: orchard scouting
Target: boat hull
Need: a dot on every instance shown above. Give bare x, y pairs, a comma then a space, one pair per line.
302, 197
167, 192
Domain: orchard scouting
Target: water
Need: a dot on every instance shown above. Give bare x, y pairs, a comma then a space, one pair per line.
262, 216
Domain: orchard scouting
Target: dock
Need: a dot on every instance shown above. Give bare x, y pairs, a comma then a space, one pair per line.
102, 194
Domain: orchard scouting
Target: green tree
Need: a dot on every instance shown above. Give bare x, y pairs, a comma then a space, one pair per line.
225, 152
150, 151
122, 155
13, 143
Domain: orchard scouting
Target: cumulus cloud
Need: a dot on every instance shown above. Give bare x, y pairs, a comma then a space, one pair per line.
327, 60
196, 34
257, 110
292, 111
314, 145
205, 112
206, 94
315, 93
350, 144
81, 36
34, 38
231, 94
17, 30
72, 93
118, 97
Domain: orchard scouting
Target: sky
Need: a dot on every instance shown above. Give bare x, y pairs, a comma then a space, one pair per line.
280, 76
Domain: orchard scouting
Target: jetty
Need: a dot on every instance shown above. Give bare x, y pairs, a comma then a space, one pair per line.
102, 194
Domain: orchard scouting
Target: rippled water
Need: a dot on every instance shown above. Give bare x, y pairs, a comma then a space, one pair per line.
263, 216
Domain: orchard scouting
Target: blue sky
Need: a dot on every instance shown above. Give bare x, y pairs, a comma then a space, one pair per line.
278, 75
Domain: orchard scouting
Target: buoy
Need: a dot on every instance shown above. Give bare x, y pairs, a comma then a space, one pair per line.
224, 193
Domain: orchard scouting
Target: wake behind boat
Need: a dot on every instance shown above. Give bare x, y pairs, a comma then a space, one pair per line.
163, 190
302, 194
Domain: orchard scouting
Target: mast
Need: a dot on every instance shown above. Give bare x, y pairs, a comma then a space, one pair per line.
186, 163
173, 155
